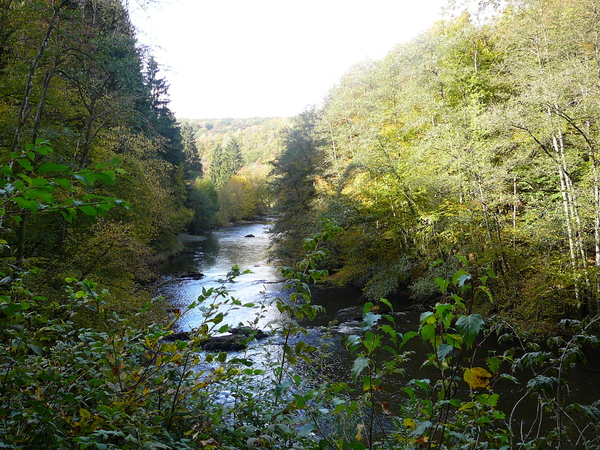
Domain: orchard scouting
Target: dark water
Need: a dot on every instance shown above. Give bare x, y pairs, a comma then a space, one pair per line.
221, 249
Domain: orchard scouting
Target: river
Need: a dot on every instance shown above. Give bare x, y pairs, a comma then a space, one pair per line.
247, 246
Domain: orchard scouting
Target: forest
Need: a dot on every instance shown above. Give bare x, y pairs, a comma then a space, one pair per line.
473, 139
459, 174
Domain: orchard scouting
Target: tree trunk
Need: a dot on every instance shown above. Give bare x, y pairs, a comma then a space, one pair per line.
24, 110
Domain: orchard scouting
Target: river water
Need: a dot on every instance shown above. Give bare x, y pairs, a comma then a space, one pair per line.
247, 246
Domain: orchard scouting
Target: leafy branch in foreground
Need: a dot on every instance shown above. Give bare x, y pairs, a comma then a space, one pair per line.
31, 184
460, 408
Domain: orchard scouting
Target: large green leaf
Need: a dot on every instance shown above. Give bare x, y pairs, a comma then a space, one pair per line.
469, 327
443, 351
51, 167
359, 365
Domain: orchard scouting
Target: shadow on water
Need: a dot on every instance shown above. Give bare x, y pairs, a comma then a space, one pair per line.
247, 246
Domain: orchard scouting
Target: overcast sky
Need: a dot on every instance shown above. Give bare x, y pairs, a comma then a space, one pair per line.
269, 58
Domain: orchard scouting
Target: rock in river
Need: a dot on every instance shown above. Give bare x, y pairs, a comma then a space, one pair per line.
236, 340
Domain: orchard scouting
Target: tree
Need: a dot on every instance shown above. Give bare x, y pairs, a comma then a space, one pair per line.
237, 200
232, 158
71, 72
192, 160
217, 174
203, 200
294, 179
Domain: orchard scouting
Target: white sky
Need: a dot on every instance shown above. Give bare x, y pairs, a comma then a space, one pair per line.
269, 58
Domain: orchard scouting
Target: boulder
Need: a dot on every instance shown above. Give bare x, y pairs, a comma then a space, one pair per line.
356, 313
191, 275
231, 343
236, 340
181, 336
247, 332
349, 314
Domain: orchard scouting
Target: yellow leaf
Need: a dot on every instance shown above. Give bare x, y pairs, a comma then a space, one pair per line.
360, 427
84, 413
466, 406
477, 377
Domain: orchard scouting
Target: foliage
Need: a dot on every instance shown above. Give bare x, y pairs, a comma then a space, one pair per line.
477, 137
459, 409
72, 73
294, 184
125, 387
237, 200
204, 201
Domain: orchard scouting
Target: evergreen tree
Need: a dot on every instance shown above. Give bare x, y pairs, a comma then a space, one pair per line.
160, 119
193, 162
294, 176
232, 158
217, 174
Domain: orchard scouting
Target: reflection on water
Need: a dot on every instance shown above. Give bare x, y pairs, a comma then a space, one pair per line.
247, 245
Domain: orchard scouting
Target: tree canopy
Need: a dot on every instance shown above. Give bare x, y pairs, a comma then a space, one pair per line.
478, 137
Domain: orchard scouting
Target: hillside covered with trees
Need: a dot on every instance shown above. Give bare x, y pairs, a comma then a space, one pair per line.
476, 139
85, 118
237, 156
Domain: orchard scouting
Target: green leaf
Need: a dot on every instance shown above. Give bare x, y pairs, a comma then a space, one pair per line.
106, 177
87, 179
443, 351
42, 183
462, 259
462, 279
306, 429
51, 167
281, 388
542, 384
300, 402
493, 363
592, 412
88, 210
25, 163
37, 194
386, 303
421, 428
35, 349
424, 316
371, 341
389, 330
469, 327
370, 320
68, 214
352, 342
407, 337
31, 205
443, 284
428, 331
62, 182
359, 365
436, 263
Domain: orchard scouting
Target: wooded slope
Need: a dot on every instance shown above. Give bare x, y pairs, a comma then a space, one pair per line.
472, 139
